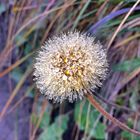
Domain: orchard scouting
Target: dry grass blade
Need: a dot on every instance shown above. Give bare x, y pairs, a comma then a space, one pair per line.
121, 24
127, 40
79, 118
116, 105
17, 63
43, 15
102, 7
17, 88
19, 101
87, 121
39, 120
125, 81
108, 116
53, 21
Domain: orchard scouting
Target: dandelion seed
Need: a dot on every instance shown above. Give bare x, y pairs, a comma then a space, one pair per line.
68, 64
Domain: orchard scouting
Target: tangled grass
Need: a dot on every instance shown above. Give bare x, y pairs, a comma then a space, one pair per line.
24, 27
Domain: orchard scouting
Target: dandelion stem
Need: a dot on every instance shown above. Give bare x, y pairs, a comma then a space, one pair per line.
108, 116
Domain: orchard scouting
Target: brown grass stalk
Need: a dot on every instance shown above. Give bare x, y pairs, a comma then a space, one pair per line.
44, 105
108, 116
122, 23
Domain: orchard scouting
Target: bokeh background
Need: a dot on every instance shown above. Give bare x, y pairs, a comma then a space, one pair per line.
25, 25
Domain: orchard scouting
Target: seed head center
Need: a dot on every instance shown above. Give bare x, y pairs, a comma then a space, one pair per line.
70, 64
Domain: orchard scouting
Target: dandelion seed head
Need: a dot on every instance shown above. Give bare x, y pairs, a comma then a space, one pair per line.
69, 64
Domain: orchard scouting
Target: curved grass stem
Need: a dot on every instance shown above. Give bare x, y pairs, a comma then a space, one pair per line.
109, 117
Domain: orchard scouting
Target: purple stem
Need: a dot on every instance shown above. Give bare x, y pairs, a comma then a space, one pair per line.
94, 28
50, 4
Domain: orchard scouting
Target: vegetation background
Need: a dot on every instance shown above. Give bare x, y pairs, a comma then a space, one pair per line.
25, 25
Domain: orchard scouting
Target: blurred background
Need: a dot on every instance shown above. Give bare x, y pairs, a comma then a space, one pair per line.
25, 25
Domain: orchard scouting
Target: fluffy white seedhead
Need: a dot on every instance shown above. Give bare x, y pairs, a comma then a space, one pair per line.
68, 65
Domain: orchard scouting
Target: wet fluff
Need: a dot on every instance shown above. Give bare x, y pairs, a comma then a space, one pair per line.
69, 64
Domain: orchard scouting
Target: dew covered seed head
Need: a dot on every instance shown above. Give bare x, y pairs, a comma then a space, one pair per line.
68, 65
